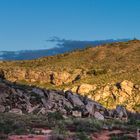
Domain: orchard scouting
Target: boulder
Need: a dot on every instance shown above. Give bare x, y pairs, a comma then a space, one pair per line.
85, 88
74, 99
98, 116
32, 109
63, 77
108, 113
121, 112
38, 92
76, 113
106, 92
90, 108
2, 108
59, 78
42, 95
127, 86
19, 92
16, 111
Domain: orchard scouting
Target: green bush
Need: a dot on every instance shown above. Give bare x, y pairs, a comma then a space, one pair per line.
55, 116
83, 136
122, 138
87, 125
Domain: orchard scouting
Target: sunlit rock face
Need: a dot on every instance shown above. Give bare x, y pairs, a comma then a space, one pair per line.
110, 95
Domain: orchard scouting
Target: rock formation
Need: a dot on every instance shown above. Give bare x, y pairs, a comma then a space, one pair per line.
110, 95
21, 99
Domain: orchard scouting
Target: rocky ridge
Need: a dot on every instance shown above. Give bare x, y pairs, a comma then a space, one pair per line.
21, 99
124, 93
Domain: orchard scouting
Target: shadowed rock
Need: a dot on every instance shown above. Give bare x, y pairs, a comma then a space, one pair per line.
21, 99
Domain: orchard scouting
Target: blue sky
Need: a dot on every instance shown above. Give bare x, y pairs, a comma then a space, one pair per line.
26, 24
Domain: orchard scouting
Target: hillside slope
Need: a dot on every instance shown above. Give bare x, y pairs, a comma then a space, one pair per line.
62, 46
117, 61
96, 67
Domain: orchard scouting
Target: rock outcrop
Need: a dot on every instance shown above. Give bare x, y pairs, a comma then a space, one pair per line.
21, 99
40, 76
127, 86
85, 88
110, 95
124, 93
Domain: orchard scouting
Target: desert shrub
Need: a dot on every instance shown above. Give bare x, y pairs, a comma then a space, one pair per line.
83, 136
133, 122
122, 137
60, 128
87, 125
97, 72
55, 116
8, 125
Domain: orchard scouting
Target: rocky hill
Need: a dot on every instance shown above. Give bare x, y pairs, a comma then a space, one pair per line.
107, 73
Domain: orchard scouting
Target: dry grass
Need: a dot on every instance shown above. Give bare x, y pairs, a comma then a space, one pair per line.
120, 60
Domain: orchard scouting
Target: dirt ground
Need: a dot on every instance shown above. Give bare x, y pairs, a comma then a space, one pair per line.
103, 135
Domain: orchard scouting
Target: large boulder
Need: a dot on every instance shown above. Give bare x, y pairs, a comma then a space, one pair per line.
42, 95
59, 78
98, 116
74, 99
127, 86
16, 111
63, 77
76, 113
85, 88
121, 112
106, 92
90, 107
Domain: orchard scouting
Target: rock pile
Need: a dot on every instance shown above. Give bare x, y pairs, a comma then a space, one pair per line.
21, 99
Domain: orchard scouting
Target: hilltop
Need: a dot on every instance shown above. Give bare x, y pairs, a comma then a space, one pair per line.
62, 46
88, 71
